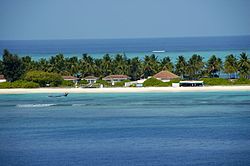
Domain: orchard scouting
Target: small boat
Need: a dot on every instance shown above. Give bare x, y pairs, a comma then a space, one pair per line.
159, 51
62, 95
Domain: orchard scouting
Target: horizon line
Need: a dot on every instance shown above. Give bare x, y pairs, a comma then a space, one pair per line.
126, 38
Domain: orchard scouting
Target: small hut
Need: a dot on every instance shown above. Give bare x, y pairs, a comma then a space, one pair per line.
116, 78
165, 76
91, 79
70, 78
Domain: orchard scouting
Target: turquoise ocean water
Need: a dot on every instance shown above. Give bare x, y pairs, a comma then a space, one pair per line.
176, 129
172, 55
186, 46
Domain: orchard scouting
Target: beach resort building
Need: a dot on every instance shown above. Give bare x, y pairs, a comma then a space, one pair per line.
2, 79
91, 79
165, 76
116, 78
191, 83
70, 78
138, 83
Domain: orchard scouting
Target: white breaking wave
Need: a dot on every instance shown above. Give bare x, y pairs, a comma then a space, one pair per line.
34, 105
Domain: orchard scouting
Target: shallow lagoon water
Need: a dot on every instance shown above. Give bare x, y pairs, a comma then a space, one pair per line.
201, 128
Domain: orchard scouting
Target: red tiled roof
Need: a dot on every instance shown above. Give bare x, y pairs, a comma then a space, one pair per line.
165, 75
2, 77
90, 78
110, 77
69, 78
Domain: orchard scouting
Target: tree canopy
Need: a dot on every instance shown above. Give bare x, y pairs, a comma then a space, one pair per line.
14, 67
230, 65
43, 78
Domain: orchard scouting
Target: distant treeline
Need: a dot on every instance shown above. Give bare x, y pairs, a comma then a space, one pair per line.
14, 67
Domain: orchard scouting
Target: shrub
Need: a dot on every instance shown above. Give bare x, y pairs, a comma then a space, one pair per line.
155, 82
66, 83
176, 80
242, 81
25, 84
83, 82
216, 81
121, 83
132, 85
4, 85
19, 84
164, 84
43, 78
152, 82
103, 82
96, 85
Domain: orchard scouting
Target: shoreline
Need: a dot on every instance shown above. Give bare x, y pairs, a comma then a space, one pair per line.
125, 90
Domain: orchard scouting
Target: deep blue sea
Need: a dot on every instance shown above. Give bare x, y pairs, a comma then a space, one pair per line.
205, 46
144, 129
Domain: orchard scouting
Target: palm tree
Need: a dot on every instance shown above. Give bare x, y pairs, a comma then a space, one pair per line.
57, 63
72, 65
120, 64
28, 63
214, 65
166, 64
230, 65
195, 67
150, 65
87, 66
135, 68
244, 65
98, 71
181, 66
1, 67
106, 66
44, 65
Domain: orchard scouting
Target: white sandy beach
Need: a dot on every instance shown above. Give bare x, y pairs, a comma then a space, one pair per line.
126, 90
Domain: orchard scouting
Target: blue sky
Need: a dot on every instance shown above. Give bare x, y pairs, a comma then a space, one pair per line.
80, 19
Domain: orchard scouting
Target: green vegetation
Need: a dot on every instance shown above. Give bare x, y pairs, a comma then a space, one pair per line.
66, 83
166, 64
150, 66
195, 67
44, 78
216, 81
104, 83
83, 82
153, 82
49, 71
230, 66
132, 85
18, 84
241, 81
135, 68
96, 85
121, 83
181, 67
12, 66
214, 65
244, 65
222, 81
